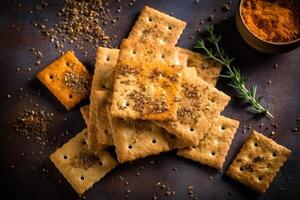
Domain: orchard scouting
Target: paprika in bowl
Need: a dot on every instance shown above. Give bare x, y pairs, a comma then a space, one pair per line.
270, 26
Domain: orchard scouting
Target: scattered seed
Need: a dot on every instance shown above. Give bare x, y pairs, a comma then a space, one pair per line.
295, 129
273, 133
261, 125
211, 18
33, 124
226, 7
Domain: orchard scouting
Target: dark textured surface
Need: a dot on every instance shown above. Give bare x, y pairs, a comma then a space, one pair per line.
26, 180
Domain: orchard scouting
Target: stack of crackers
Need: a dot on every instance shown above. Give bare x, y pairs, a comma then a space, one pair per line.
149, 97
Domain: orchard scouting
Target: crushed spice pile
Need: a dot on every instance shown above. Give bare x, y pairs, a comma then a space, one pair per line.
275, 21
79, 21
34, 124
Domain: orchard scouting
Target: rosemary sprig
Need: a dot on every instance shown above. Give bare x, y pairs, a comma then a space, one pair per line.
237, 80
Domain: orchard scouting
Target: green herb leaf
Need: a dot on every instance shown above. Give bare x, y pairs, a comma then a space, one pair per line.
237, 80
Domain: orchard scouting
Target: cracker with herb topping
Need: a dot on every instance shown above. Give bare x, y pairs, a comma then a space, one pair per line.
199, 102
212, 149
207, 69
156, 27
79, 165
67, 78
147, 81
135, 139
258, 162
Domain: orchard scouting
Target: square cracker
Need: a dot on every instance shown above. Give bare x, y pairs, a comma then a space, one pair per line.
135, 139
99, 133
156, 27
147, 80
67, 78
213, 148
79, 166
199, 103
258, 162
207, 69
85, 110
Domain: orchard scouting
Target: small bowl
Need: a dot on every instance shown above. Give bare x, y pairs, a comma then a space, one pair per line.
258, 43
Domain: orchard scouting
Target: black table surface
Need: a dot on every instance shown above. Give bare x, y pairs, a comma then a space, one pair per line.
26, 171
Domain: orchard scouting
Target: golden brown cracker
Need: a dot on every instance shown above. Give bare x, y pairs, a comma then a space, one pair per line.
67, 78
199, 102
207, 69
258, 162
85, 110
79, 166
147, 81
212, 149
135, 139
156, 27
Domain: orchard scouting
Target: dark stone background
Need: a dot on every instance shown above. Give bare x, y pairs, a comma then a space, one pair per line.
26, 179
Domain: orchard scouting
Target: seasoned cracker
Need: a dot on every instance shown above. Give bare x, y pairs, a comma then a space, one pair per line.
85, 110
199, 103
67, 78
79, 166
156, 27
147, 81
207, 69
212, 149
135, 139
258, 162
106, 60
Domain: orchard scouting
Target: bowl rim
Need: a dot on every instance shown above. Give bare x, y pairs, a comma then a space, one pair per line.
266, 41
